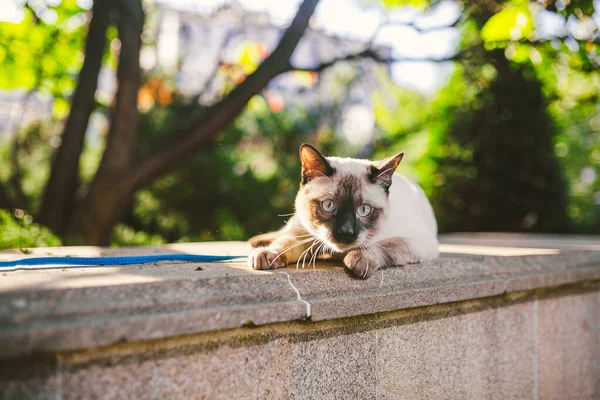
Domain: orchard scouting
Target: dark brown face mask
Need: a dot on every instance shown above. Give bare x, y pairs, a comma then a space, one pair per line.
335, 201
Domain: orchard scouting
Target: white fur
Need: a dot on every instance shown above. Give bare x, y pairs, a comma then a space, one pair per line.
409, 215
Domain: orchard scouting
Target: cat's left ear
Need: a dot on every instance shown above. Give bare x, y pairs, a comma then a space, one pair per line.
383, 170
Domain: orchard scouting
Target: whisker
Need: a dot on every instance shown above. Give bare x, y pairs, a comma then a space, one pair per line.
285, 215
304, 259
311, 258
296, 244
300, 236
368, 248
316, 254
298, 262
305, 252
324, 249
293, 246
382, 253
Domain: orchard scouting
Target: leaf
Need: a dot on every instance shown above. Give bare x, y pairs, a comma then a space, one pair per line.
60, 109
418, 4
512, 23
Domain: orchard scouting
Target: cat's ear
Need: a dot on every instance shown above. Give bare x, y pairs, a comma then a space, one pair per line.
313, 164
382, 171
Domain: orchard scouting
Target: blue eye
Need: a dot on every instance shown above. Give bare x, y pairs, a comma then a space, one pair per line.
364, 210
328, 206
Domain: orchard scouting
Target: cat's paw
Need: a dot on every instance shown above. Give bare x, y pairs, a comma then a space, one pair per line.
266, 258
361, 264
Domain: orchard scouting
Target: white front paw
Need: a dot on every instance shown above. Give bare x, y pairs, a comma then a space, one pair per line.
266, 258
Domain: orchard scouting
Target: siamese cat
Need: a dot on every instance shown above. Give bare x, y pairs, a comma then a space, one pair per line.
356, 210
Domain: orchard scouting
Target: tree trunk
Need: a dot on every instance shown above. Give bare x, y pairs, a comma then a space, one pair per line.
123, 132
5, 201
59, 194
113, 189
109, 193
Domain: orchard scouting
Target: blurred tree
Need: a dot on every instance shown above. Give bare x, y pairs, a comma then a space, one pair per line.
59, 197
506, 176
123, 170
38, 57
247, 185
20, 232
490, 163
497, 93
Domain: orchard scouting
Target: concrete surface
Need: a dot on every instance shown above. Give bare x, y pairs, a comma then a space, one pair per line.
493, 348
68, 309
569, 347
466, 326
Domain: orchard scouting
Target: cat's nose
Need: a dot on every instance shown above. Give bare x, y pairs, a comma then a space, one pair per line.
345, 234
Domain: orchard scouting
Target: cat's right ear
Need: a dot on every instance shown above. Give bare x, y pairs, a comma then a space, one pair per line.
313, 164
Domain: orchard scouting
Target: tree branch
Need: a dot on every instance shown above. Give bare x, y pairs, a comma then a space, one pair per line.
203, 131
373, 55
412, 25
371, 52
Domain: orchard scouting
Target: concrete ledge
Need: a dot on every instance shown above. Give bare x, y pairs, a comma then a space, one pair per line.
60, 310
522, 345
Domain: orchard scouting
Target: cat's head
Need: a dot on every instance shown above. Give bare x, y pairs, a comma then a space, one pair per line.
343, 200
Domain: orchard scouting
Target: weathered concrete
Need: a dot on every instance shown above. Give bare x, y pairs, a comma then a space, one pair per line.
569, 347
469, 327
479, 355
490, 348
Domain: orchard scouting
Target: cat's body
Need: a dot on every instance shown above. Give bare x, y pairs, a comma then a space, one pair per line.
355, 209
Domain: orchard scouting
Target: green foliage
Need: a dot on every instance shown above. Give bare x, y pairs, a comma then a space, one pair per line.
34, 160
511, 23
230, 192
21, 232
532, 121
44, 51
506, 177
418, 4
577, 144
124, 235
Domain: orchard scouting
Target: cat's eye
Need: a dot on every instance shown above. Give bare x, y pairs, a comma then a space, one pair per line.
328, 206
364, 210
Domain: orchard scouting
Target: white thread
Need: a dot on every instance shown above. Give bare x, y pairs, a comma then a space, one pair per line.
308, 311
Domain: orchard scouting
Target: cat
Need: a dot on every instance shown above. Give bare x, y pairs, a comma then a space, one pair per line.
357, 211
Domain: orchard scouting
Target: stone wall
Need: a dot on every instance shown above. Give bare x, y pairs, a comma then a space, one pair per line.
525, 327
